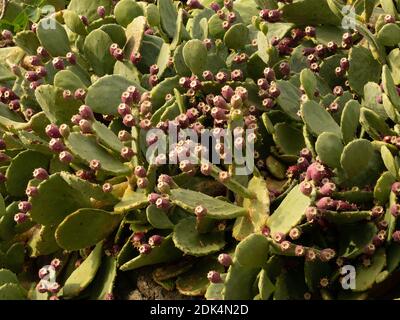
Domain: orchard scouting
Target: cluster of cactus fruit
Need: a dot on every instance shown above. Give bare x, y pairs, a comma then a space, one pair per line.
83, 209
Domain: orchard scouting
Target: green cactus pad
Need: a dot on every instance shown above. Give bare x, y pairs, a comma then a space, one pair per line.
87, 189
21, 168
86, 148
354, 238
195, 56
309, 83
73, 22
358, 74
108, 138
103, 283
12, 291
314, 271
288, 139
346, 217
216, 209
349, 120
239, 281
27, 40
252, 252
214, 290
187, 239
318, 120
389, 87
375, 126
14, 257
366, 276
168, 15
158, 218
329, 148
237, 36
104, 95
290, 212
383, 187
356, 147
68, 80
389, 35
173, 270
96, 48
130, 201
53, 37
56, 199
57, 109
195, 282
152, 15
309, 12
6, 276
389, 161
81, 277
372, 91
126, 10
88, 8
166, 252
179, 63
257, 210
92, 224
289, 99
43, 241
265, 286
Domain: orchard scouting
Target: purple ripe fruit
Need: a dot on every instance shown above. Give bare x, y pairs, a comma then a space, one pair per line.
145, 249
200, 211
85, 126
101, 11
306, 188
40, 174
20, 217
127, 153
214, 277
155, 240
65, 157
24, 206
86, 112
395, 210
56, 145
135, 57
225, 259
71, 58
58, 63
389, 19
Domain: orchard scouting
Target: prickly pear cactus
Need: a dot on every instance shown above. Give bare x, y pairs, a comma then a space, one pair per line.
237, 149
